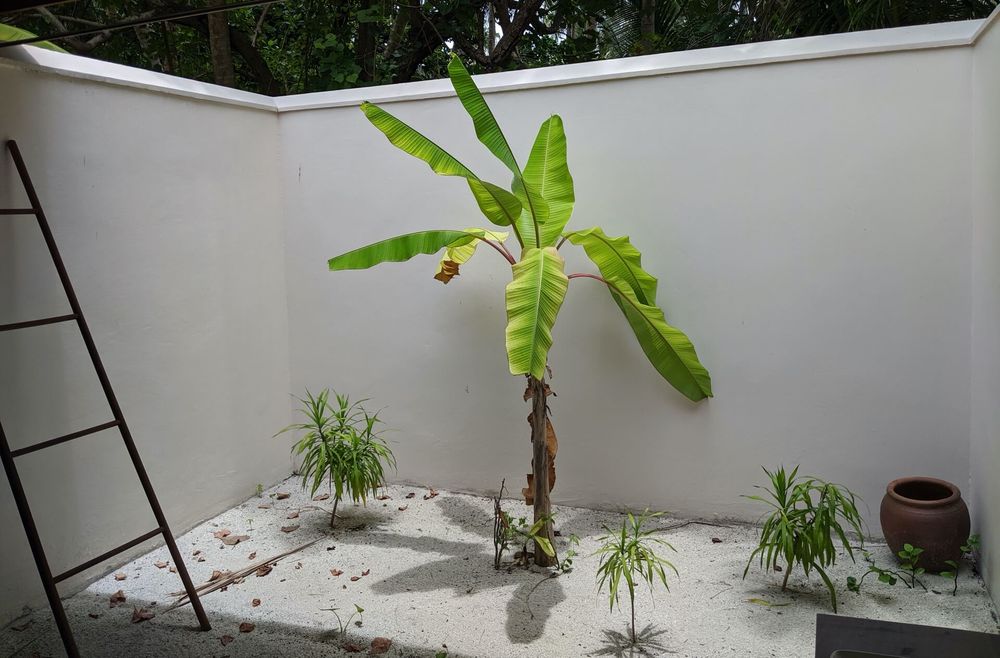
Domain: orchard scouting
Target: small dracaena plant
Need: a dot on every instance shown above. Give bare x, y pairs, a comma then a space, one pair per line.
630, 555
809, 518
341, 446
534, 212
970, 546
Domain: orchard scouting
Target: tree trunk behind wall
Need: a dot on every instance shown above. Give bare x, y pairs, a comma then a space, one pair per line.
222, 53
540, 467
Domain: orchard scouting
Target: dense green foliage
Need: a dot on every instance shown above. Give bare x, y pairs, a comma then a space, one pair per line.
340, 445
630, 555
807, 521
311, 45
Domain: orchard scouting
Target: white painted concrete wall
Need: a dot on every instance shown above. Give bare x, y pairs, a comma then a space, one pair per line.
811, 221
810, 225
168, 214
985, 428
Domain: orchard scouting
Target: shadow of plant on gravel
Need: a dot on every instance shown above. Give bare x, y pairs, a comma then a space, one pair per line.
620, 645
468, 568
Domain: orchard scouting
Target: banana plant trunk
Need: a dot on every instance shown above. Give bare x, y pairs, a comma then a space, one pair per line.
540, 468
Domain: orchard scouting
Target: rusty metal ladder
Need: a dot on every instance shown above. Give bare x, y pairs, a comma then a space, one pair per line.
8, 456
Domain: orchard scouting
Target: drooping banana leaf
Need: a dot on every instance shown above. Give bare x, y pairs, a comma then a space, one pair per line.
461, 252
399, 249
489, 133
11, 33
548, 172
617, 258
666, 347
500, 206
533, 300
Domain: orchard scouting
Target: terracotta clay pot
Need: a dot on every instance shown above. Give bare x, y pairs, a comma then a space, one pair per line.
927, 513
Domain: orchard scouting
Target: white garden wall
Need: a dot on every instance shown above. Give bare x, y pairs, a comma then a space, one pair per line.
168, 214
986, 301
811, 208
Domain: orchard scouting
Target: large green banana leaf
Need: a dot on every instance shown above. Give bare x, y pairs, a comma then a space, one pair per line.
460, 252
616, 258
399, 248
11, 33
500, 206
666, 347
547, 171
489, 133
533, 301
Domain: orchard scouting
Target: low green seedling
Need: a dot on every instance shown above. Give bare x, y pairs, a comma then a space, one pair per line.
908, 558
566, 564
886, 576
970, 546
344, 624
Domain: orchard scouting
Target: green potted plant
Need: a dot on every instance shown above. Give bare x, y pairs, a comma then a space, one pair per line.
340, 446
534, 212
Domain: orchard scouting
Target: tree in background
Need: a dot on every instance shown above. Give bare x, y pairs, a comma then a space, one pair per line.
300, 46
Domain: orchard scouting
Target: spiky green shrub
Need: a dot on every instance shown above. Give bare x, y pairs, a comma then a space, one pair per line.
806, 523
340, 445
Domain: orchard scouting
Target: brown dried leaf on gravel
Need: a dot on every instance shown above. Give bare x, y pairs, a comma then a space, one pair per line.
292, 515
716, 540
140, 615
289, 528
247, 627
380, 645
172, 569
355, 579
226, 639
120, 576
160, 565
252, 556
281, 495
431, 494
264, 506
366, 572
117, 599
411, 494
402, 508
215, 575
219, 534
321, 496
264, 570
336, 572
232, 540
383, 497
351, 647
255, 603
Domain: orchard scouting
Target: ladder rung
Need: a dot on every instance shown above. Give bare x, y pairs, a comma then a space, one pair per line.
17, 211
37, 323
104, 556
63, 439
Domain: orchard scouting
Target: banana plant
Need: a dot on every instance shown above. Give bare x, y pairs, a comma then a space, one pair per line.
534, 212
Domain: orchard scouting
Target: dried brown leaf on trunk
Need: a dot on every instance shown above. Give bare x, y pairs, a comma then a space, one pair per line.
247, 627
551, 448
117, 599
140, 615
449, 270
